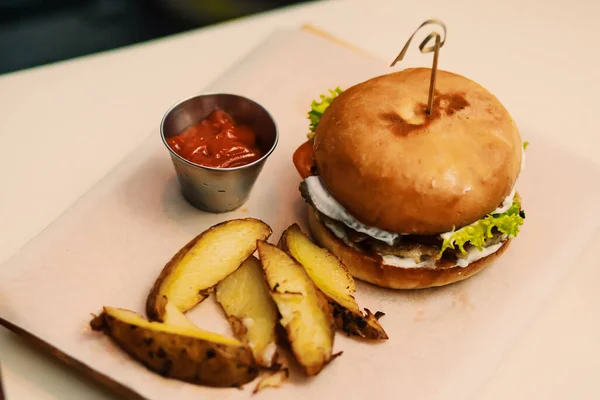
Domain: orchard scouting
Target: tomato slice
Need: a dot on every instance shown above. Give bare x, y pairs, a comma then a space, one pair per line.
304, 159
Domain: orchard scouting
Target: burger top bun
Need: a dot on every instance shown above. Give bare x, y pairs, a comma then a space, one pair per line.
394, 167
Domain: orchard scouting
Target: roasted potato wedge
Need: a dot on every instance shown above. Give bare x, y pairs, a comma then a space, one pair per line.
187, 354
305, 313
172, 315
244, 296
204, 262
332, 277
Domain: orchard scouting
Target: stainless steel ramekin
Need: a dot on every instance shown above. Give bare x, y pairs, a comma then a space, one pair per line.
219, 189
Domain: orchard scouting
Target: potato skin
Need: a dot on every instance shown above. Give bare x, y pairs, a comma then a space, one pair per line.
181, 357
273, 379
355, 324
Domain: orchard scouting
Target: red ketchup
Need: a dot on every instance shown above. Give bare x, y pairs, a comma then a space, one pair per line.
217, 142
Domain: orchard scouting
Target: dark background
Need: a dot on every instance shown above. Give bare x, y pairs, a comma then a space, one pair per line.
37, 32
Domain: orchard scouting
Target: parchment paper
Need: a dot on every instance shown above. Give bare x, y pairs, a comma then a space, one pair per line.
444, 343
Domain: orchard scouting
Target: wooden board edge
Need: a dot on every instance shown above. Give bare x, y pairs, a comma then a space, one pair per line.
326, 35
114, 386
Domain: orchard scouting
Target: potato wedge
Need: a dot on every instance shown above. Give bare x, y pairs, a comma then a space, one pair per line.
305, 313
332, 277
172, 315
244, 296
190, 355
204, 262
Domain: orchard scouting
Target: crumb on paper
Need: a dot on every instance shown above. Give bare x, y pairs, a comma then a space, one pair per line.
273, 379
86, 327
379, 314
420, 315
244, 210
461, 299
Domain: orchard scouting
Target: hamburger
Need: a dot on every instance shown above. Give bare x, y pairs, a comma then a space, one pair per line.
408, 199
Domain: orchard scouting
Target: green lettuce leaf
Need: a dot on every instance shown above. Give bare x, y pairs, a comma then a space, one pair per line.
317, 108
478, 232
525, 144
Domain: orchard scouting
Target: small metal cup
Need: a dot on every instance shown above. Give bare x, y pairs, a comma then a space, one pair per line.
219, 190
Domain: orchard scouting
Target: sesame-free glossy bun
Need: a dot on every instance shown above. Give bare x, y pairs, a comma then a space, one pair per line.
371, 268
394, 167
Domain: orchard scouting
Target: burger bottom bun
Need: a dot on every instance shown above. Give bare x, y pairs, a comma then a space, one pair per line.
370, 268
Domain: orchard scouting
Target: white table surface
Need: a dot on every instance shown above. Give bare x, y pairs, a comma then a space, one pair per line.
64, 126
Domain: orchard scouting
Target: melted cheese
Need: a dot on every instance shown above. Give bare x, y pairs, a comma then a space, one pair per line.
329, 206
